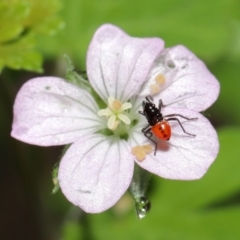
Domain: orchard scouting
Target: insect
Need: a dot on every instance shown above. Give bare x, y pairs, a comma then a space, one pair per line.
159, 124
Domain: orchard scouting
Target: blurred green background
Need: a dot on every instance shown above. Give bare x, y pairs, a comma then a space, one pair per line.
34, 35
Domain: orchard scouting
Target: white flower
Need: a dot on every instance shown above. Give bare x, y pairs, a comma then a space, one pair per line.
98, 167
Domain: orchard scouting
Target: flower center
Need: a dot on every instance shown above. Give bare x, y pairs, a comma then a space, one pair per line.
115, 112
116, 105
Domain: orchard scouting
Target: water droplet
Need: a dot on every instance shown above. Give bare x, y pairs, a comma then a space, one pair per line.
143, 206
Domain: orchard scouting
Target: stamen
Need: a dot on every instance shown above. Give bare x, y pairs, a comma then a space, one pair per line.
104, 112
115, 113
154, 89
116, 105
160, 79
140, 152
148, 148
126, 106
111, 122
124, 118
160, 82
115, 125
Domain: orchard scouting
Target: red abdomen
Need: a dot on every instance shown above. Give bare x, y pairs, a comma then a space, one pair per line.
162, 130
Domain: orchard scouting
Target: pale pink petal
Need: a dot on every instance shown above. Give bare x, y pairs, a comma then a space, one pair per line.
189, 84
49, 111
183, 157
117, 64
136, 137
95, 172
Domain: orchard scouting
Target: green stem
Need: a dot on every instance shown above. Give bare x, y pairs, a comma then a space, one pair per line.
140, 182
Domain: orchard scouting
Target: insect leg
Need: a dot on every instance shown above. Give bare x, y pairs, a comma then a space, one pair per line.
176, 119
143, 106
146, 128
160, 104
149, 98
148, 134
179, 115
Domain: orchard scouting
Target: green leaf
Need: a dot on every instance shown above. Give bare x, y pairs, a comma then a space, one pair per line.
12, 15
42, 17
20, 55
21, 21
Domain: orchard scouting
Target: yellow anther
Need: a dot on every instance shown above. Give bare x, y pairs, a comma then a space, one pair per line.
115, 125
160, 79
160, 82
116, 105
148, 148
140, 152
154, 88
